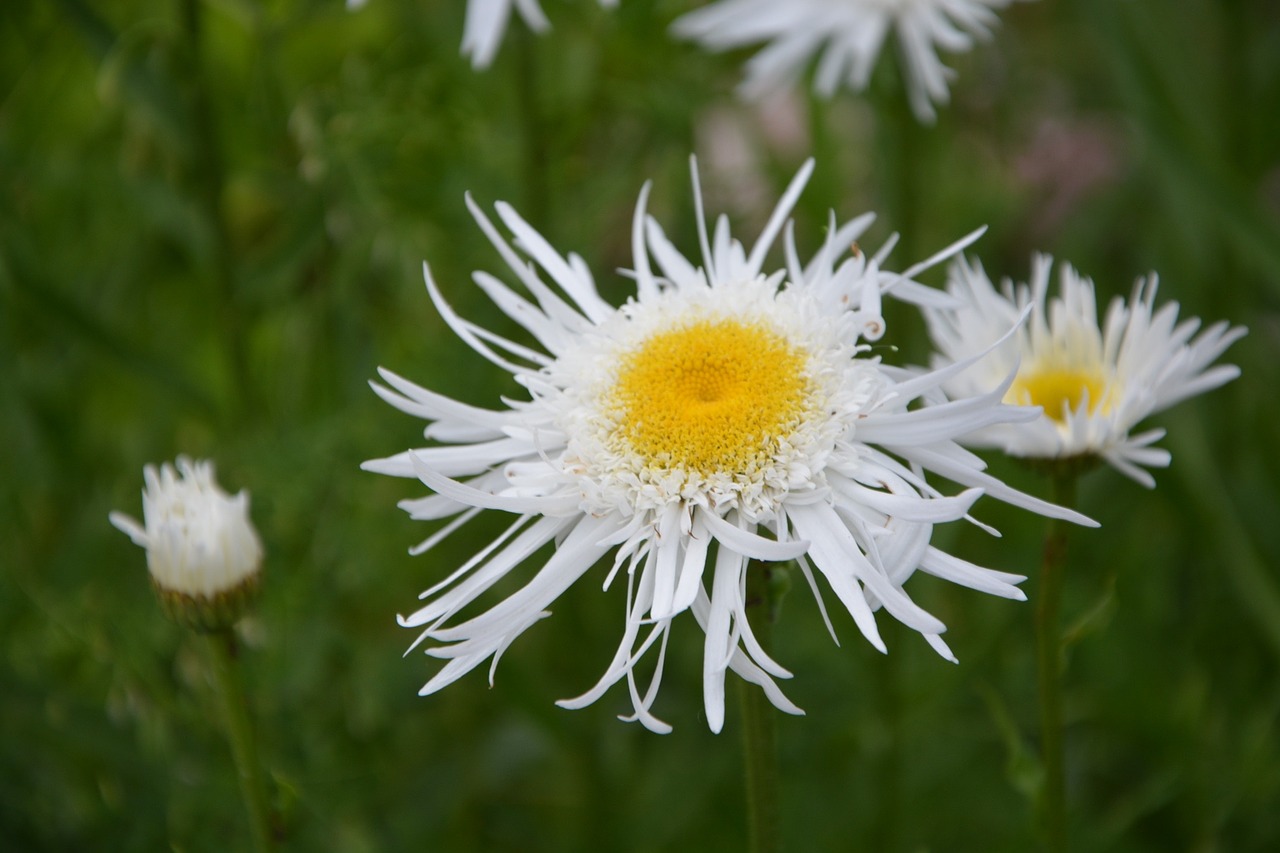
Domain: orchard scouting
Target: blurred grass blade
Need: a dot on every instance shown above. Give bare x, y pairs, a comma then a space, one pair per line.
28, 295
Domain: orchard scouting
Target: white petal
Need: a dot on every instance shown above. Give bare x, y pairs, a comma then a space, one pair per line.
751, 544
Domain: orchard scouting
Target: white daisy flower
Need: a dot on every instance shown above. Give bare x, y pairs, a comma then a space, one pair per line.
722, 415
202, 550
486, 23
1095, 384
847, 36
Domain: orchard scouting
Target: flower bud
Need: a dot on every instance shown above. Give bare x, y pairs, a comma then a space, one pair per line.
202, 551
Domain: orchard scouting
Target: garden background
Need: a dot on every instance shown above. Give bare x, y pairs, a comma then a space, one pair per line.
212, 220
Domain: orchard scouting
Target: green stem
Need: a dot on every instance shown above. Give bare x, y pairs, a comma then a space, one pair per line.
222, 646
901, 142
537, 202
900, 145
211, 180
888, 812
1053, 802
759, 725
828, 193
902, 161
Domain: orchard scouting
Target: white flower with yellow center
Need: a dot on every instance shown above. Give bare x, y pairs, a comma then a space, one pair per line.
486, 23
1094, 384
722, 415
847, 35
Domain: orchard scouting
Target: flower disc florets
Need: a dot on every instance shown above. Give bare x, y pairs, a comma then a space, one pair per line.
727, 398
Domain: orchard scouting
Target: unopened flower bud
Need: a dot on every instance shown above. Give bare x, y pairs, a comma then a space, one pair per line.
202, 551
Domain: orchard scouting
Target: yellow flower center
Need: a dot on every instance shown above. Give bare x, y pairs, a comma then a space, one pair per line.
1059, 390
710, 397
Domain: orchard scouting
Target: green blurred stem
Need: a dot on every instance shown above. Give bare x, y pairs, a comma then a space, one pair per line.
223, 650
759, 724
826, 194
901, 143
1053, 800
211, 180
900, 148
888, 810
537, 203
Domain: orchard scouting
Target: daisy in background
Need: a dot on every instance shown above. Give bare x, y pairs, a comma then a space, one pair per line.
727, 412
487, 22
845, 36
1094, 383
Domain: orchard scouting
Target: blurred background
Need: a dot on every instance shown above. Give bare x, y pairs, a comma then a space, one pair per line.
212, 222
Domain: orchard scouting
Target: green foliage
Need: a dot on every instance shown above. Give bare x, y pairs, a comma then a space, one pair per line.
210, 239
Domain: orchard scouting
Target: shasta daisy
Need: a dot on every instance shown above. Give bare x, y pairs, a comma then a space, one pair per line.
728, 412
846, 37
1094, 383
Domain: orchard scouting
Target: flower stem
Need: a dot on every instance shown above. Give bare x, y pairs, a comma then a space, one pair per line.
210, 173
533, 128
903, 157
222, 645
888, 767
759, 724
826, 194
1053, 797
902, 149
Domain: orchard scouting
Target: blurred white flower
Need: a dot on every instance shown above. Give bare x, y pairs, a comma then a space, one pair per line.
846, 36
201, 546
487, 22
724, 414
1094, 383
